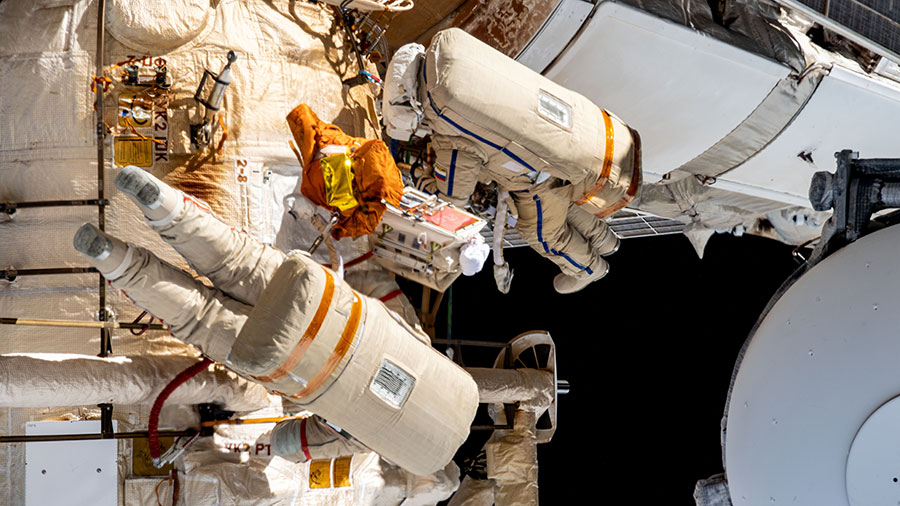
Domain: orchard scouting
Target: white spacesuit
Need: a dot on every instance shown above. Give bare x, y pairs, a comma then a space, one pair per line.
566, 163
293, 325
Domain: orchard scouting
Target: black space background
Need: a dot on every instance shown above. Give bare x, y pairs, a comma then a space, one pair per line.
648, 350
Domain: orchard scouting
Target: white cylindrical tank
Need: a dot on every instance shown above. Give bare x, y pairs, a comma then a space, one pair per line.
346, 358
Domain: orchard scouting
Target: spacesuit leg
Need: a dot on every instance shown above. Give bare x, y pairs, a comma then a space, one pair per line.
543, 223
195, 313
236, 263
595, 230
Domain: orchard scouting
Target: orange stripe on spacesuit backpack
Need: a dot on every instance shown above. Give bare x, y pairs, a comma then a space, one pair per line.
633, 186
607, 161
308, 335
340, 349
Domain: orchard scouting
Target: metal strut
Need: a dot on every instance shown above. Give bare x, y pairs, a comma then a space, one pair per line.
11, 274
10, 208
87, 437
106, 410
105, 336
856, 190
106, 325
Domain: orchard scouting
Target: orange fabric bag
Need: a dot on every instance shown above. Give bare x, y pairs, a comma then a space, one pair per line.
375, 175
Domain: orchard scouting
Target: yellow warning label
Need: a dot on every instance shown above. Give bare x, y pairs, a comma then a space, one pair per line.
320, 474
133, 151
135, 110
142, 464
342, 472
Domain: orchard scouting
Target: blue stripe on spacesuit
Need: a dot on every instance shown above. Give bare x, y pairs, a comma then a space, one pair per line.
547, 249
452, 171
395, 148
478, 137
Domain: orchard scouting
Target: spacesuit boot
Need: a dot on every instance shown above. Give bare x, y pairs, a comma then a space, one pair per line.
564, 283
613, 248
158, 201
108, 254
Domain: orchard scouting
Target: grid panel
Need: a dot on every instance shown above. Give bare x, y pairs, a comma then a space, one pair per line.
876, 20
626, 223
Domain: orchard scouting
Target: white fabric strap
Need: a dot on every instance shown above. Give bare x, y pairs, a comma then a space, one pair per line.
120, 270
176, 211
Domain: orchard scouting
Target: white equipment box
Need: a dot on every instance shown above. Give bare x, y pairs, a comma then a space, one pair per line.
70, 472
420, 240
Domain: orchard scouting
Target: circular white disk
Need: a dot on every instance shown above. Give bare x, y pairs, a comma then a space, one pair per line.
823, 360
873, 467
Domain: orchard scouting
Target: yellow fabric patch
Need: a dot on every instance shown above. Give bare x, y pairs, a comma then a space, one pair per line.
338, 174
141, 463
133, 151
330, 473
320, 474
342, 472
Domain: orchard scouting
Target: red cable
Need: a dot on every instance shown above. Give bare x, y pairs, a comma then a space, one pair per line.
153, 424
146, 326
391, 295
360, 259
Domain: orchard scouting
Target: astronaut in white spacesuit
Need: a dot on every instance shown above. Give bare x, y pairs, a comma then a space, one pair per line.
292, 325
566, 163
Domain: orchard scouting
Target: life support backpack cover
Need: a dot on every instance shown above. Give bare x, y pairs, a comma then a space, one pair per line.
375, 176
402, 110
523, 122
345, 357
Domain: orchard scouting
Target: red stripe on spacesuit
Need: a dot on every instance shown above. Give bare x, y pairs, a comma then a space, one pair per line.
303, 439
340, 349
202, 205
308, 336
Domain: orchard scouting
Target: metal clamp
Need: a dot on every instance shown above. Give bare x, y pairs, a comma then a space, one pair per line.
327, 230
174, 451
